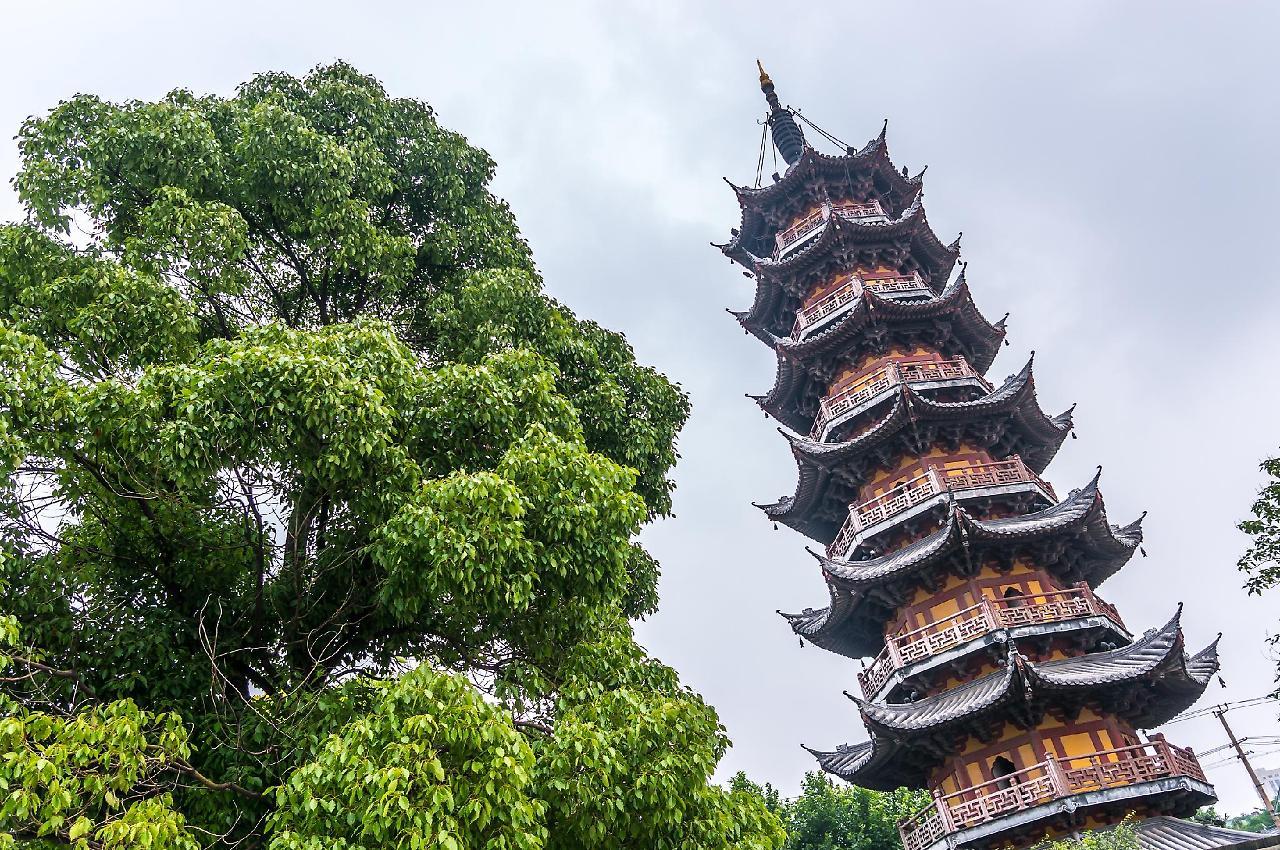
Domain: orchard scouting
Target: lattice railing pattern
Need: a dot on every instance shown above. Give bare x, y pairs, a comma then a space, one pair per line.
1049, 780
849, 291
933, 481
923, 830
1184, 763
850, 210
833, 301
1094, 775
863, 388
1023, 793
897, 283
877, 673
927, 642
801, 228
912, 645
814, 221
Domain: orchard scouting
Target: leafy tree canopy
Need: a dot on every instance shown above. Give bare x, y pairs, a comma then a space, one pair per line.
1261, 561
319, 515
831, 816
1256, 821
1119, 837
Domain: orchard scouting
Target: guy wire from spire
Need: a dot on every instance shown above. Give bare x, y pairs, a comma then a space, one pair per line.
797, 113
764, 140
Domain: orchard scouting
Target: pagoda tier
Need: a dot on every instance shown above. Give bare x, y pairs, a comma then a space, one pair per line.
867, 175
1005, 421
1145, 684
1071, 541
998, 679
849, 237
1041, 709
872, 326
832, 488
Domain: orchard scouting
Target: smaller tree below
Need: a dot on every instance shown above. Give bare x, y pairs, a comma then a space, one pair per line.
1256, 821
827, 816
1261, 561
1121, 837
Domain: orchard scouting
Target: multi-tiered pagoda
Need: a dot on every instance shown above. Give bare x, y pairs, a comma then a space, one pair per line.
998, 679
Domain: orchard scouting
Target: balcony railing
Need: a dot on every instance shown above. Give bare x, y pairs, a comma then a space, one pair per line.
933, 481
1008, 612
1049, 780
814, 221
841, 405
851, 290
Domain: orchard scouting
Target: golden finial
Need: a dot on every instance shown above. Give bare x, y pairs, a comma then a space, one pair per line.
764, 76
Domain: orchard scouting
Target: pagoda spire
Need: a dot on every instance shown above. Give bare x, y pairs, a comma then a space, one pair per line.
787, 136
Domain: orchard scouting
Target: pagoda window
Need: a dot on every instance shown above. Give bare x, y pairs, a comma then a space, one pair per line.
1001, 769
1013, 597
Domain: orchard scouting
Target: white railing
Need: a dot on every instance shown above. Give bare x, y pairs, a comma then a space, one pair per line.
932, 481
862, 389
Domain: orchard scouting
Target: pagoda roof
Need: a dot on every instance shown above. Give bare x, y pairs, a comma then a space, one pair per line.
1016, 397
954, 302
1007, 421
950, 322
782, 285
1071, 539
1147, 682
839, 234
807, 181
766, 318
1168, 833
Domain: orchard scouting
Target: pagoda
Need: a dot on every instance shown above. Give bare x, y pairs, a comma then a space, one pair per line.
993, 674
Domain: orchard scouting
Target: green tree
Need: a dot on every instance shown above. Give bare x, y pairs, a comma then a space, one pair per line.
1261, 561
767, 793
830, 816
319, 516
1256, 821
1120, 837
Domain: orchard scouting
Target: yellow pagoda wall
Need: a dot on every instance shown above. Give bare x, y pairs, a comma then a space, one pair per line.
1084, 735
868, 364
839, 280
926, 607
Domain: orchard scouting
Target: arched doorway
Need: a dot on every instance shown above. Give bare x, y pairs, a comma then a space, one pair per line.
1002, 768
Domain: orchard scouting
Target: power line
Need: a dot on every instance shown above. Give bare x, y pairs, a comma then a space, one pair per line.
1203, 712
1221, 714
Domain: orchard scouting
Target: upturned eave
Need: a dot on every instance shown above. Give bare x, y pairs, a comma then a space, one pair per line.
862, 591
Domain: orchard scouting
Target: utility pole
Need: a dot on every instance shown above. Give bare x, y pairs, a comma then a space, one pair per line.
1221, 713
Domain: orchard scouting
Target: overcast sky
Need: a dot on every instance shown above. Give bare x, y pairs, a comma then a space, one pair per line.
1112, 166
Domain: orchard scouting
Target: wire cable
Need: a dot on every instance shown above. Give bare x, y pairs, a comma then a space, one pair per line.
764, 139
1226, 706
821, 131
